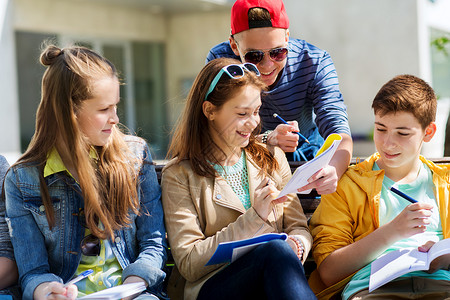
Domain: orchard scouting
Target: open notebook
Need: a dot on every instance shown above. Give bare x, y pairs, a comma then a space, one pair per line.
118, 292
304, 172
394, 264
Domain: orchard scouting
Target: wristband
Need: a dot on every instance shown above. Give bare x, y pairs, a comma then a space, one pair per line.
299, 244
265, 135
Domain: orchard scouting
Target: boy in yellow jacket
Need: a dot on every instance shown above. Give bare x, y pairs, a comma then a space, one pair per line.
363, 219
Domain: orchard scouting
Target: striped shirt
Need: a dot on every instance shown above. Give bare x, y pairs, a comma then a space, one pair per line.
307, 91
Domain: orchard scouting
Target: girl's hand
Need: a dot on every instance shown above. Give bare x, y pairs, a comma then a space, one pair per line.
55, 291
412, 220
265, 195
292, 245
133, 279
440, 262
324, 181
284, 136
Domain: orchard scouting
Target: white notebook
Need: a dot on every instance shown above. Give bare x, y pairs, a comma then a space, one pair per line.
118, 292
301, 175
397, 263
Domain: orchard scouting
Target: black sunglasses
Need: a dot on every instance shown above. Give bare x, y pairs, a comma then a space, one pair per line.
90, 244
276, 54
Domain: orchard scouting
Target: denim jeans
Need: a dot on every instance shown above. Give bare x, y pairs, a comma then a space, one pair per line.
146, 297
408, 288
270, 271
11, 293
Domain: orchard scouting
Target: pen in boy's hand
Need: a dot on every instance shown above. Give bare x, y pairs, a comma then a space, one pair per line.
275, 115
403, 195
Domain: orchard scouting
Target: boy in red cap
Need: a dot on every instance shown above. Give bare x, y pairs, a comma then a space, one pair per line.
303, 86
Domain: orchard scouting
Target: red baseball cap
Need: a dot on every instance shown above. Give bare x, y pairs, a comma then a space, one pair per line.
239, 15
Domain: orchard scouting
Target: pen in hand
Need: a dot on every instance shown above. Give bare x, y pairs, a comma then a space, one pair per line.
78, 278
403, 195
275, 115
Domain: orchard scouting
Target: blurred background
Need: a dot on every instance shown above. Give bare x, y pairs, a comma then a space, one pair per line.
159, 46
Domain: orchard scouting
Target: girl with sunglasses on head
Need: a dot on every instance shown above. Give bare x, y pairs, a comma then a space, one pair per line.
222, 186
84, 195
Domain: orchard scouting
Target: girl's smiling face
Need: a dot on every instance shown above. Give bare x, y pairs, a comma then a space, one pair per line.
231, 125
98, 115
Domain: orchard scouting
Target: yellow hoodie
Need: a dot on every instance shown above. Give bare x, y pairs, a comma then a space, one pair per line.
351, 213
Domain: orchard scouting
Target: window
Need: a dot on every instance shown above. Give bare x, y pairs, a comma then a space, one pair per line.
29, 71
141, 68
440, 64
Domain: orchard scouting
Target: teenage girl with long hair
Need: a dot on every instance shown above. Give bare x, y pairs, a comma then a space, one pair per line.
222, 186
83, 195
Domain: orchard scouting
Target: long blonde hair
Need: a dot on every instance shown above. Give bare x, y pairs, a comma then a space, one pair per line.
109, 187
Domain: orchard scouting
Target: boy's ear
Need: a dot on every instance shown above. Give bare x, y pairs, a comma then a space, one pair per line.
234, 46
429, 132
209, 110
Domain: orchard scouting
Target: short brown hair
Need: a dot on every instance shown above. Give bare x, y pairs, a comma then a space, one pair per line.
258, 14
407, 93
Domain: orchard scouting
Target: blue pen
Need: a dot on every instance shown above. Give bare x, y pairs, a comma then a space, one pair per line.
403, 195
275, 115
78, 278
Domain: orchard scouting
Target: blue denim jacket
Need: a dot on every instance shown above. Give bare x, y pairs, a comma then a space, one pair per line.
53, 255
5, 242
6, 250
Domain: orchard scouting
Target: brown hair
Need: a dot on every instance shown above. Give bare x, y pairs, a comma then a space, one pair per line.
191, 139
407, 93
258, 14
109, 188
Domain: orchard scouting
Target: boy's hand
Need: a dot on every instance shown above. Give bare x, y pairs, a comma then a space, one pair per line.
324, 181
284, 136
412, 220
264, 201
440, 262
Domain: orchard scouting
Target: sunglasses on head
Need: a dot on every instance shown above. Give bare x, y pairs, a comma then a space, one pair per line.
276, 54
90, 244
234, 71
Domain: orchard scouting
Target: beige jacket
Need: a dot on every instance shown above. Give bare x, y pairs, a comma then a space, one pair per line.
202, 212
